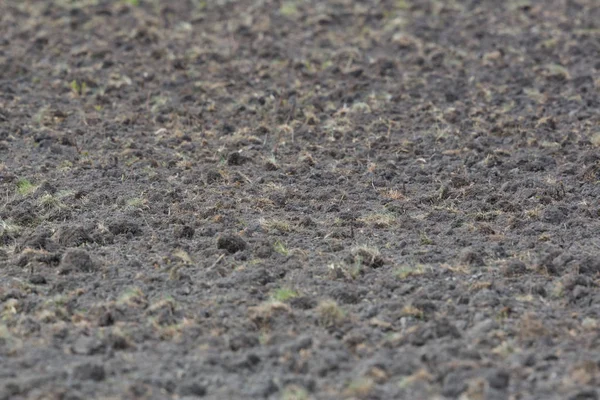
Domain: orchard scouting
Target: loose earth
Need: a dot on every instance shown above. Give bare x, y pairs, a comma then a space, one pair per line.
384, 199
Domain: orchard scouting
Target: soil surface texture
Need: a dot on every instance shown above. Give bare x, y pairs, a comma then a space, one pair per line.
300, 199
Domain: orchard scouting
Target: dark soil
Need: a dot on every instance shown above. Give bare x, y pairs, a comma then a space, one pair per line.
383, 199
